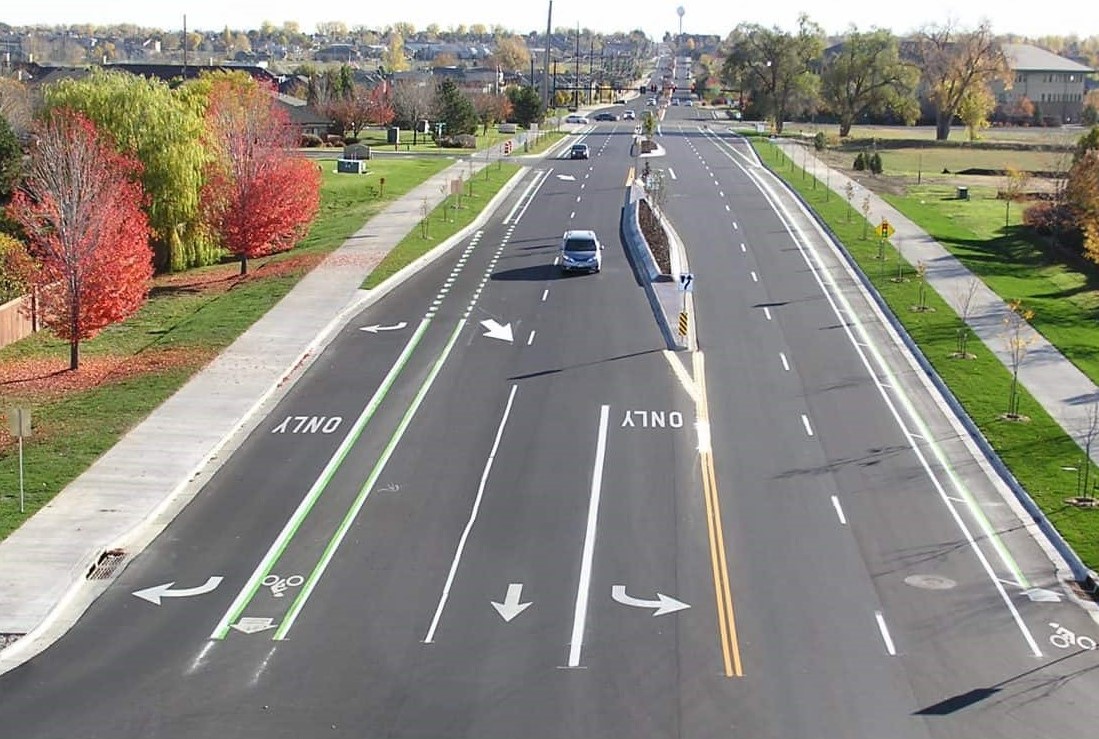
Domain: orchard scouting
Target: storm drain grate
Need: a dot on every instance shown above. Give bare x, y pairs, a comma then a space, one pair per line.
107, 564
6, 640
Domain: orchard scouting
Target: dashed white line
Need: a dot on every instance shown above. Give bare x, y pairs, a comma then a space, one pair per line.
530, 339
767, 312
805, 423
744, 248
727, 208
671, 173
735, 226
721, 193
545, 293
755, 277
785, 364
578, 198
573, 214
839, 510
889, 647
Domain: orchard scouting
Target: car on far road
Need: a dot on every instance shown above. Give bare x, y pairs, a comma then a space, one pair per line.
579, 151
651, 101
581, 251
629, 115
605, 116
675, 101
577, 118
690, 103
620, 101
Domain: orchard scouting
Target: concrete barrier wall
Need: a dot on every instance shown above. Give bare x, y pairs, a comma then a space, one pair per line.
635, 240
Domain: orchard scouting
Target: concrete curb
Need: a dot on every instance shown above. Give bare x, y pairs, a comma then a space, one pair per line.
82, 592
645, 268
1080, 573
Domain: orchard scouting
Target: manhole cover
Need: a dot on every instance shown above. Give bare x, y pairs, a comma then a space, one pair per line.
930, 582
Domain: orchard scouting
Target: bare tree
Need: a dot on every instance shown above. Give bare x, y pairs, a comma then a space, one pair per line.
1014, 186
1091, 431
965, 299
1018, 340
413, 101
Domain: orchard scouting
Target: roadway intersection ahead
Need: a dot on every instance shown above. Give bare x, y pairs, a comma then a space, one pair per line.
507, 509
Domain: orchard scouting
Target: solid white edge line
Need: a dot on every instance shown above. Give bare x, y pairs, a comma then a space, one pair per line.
519, 202
530, 200
889, 646
681, 374
785, 363
580, 613
936, 483
839, 510
805, 423
469, 524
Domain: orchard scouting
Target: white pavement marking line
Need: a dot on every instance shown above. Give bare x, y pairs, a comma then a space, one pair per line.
839, 510
578, 198
511, 607
767, 312
378, 327
735, 226
572, 215
248, 591
728, 208
495, 330
744, 248
472, 518
721, 193
519, 216
801, 240
580, 613
556, 261
755, 277
889, 646
785, 363
545, 293
681, 374
530, 339
522, 198
805, 423
663, 604
671, 173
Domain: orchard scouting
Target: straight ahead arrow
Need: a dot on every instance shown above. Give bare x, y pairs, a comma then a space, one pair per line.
496, 331
664, 603
376, 327
251, 625
154, 594
511, 607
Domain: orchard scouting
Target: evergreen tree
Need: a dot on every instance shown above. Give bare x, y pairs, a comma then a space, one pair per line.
456, 110
526, 106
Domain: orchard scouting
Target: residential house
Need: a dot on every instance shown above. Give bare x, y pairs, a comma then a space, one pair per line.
1054, 84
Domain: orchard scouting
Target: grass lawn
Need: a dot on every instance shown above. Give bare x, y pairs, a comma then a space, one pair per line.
449, 217
377, 137
1036, 451
958, 134
132, 367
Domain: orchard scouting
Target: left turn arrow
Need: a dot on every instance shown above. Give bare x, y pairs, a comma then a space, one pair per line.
154, 594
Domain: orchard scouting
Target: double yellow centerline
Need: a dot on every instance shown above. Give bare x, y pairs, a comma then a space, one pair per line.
726, 618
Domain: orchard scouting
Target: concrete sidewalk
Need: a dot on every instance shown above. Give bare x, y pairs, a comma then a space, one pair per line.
1063, 390
135, 489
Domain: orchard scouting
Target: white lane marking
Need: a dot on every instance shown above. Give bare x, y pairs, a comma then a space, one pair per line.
805, 423
681, 374
556, 260
889, 647
839, 510
530, 200
578, 198
744, 248
728, 208
520, 201
755, 277
580, 613
785, 364
545, 293
721, 193
801, 240
530, 339
572, 215
735, 226
472, 517
767, 312
671, 173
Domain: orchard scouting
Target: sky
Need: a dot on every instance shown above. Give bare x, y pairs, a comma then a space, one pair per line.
655, 17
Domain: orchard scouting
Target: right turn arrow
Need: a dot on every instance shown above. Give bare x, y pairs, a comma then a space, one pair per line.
511, 607
664, 603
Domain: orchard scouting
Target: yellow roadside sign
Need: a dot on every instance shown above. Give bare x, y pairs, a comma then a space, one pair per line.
885, 230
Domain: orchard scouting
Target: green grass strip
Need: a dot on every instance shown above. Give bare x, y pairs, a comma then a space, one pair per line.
444, 221
1036, 452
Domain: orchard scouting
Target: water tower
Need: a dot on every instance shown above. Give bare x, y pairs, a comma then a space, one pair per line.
680, 11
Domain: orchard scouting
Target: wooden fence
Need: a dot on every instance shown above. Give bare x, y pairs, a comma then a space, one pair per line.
16, 323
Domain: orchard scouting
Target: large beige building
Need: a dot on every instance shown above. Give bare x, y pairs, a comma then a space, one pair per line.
1054, 84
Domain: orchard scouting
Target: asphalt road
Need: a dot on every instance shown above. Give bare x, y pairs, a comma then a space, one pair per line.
478, 546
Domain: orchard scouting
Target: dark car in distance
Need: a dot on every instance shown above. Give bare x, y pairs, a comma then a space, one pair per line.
605, 116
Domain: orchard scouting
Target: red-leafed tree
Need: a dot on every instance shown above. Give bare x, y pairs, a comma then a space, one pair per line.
365, 106
80, 206
260, 194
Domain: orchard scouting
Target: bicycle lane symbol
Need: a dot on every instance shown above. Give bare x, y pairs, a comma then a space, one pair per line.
1063, 638
278, 585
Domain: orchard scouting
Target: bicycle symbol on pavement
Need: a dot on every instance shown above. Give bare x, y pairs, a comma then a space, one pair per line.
279, 585
1063, 638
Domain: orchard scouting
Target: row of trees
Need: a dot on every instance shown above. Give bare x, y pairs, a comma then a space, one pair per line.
785, 74
124, 174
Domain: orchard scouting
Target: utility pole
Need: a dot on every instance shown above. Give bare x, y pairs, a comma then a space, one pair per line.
591, 70
576, 75
185, 46
546, 71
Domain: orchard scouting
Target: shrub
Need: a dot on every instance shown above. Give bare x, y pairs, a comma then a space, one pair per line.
860, 162
1047, 217
348, 140
819, 141
874, 162
311, 140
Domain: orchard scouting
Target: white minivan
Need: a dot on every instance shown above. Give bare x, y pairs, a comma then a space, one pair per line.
577, 118
581, 251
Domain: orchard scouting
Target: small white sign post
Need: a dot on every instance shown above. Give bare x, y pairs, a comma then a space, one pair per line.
19, 423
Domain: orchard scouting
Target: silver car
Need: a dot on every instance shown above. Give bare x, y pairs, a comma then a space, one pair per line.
581, 252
